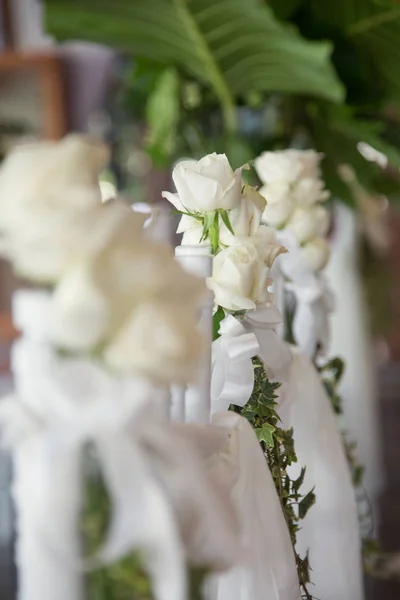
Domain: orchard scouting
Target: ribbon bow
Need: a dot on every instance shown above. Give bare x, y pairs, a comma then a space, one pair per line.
314, 298
274, 352
232, 379
60, 405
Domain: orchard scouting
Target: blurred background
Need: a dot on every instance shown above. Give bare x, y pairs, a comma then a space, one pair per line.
166, 79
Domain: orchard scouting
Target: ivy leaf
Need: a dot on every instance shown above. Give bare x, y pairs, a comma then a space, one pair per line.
297, 483
226, 221
217, 318
306, 503
266, 434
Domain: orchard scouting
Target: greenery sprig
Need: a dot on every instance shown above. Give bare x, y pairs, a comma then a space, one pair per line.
278, 447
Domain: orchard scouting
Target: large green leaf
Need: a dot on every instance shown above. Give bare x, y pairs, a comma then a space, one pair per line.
374, 27
231, 46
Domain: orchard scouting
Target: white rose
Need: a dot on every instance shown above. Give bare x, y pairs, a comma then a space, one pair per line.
245, 219
267, 245
316, 252
206, 185
278, 166
306, 223
239, 277
156, 341
47, 194
48, 176
309, 160
279, 203
307, 192
100, 303
80, 313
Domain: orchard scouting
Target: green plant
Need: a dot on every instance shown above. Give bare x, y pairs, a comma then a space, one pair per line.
317, 74
278, 447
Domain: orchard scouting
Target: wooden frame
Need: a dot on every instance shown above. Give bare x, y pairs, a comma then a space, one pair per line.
49, 69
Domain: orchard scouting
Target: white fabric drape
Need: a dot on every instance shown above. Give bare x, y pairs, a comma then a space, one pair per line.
351, 341
268, 570
330, 530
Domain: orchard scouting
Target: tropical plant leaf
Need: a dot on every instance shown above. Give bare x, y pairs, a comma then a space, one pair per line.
374, 27
231, 46
163, 114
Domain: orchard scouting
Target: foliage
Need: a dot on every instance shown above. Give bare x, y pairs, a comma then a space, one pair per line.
242, 76
278, 447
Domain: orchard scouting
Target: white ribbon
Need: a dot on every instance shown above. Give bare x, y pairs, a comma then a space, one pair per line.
232, 378
273, 351
59, 406
314, 298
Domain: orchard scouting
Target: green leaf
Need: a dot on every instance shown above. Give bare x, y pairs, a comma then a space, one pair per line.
213, 231
266, 434
306, 503
232, 47
374, 27
162, 114
226, 221
217, 318
297, 483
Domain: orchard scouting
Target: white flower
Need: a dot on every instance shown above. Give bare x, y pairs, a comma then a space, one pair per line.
316, 252
144, 306
277, 214
306, 223
47, 193
307, 192
267, 245
239, 277
274, 167
309, 160
156, 341
206, 185
245, 219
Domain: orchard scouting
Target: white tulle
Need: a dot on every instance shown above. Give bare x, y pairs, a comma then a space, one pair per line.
330, 531
268, 570
350, 339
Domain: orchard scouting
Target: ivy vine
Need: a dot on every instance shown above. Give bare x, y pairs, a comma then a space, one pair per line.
278, 447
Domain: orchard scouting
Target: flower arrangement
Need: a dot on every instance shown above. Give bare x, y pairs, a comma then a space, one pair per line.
111, 327
227, 215
295, 193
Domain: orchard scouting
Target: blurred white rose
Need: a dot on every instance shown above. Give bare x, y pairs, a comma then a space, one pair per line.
129, 299
279, 204
309, 160
278, 166
307, 192
160, 341
47, 193
206, 185
239, 277
307, 223
316, 252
